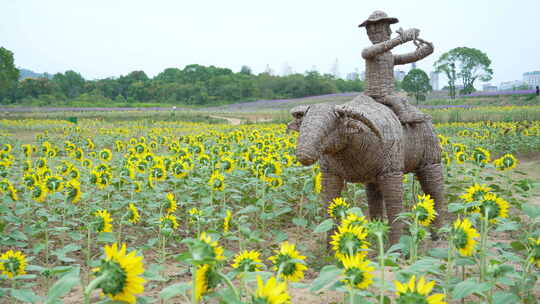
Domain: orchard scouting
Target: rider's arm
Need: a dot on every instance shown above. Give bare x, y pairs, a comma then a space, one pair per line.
381, 47
423, 51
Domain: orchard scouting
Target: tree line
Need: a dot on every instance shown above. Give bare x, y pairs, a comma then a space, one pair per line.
193, 85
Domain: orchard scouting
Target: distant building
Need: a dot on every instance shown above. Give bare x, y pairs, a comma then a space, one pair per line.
434, 80
413, 65
353, 76
363, 75
511, 85
489, 88
399, 75
532, 79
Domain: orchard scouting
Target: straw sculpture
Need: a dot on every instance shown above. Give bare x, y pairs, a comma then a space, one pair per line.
364, 141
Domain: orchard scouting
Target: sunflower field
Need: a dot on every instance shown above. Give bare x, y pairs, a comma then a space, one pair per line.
183, 212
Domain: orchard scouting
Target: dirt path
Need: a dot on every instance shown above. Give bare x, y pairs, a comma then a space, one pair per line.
233, 121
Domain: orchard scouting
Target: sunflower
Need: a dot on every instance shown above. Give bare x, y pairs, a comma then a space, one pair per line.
317, 183
349, 240
73, 191
74, 173
205, 280
357, 271
169, 222
425, 209
274, 182
134, 216
171, 207
338, 208
104, 221
443, 140
38, 192
12, 263
413, 292
217, 251
272, 292
90, 144
104, 179
535, 251
158, 172
460, 157
446, 159
354, 220
227, 221
290, 270
195, 214
217, 181
247, 261
13, 193
505, 162
270, 168
475, 193
87, 163
227, 164
29, 180
204, 159
179, 169
141, 166
77, 154
481, 155
463, 237
137, 186
458, 147
54, 183
27, 150
495, 206
121, 274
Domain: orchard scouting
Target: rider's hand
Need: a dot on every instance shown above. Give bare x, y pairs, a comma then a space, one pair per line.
408, 35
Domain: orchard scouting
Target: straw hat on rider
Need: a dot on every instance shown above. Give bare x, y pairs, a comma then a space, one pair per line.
379, 16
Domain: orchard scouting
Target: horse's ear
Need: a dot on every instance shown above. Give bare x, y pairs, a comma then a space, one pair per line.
298, 112
357, 119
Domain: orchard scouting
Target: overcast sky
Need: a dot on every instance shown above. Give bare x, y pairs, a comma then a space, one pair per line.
103, 38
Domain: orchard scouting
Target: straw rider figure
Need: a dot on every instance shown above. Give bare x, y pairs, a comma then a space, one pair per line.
380, 64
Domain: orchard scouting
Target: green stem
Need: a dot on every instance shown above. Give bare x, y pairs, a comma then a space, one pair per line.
351, 295
194, 285
95, 283
483, 246
230, 284
449, 266
88, 251
381, 266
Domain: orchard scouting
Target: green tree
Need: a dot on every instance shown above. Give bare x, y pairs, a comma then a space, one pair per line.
70, 83
467, 64
245, 70
416, 82
9, 74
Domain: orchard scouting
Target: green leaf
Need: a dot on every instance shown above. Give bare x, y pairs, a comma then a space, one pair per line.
324, 226
468, 287
174, 290
507, 226
328, 275
18, 235
427, 264
152, 273
106, 237
517, 246
302, 222
531, 211
248, 209
356, 211
63, 286
501, 297
25, 295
